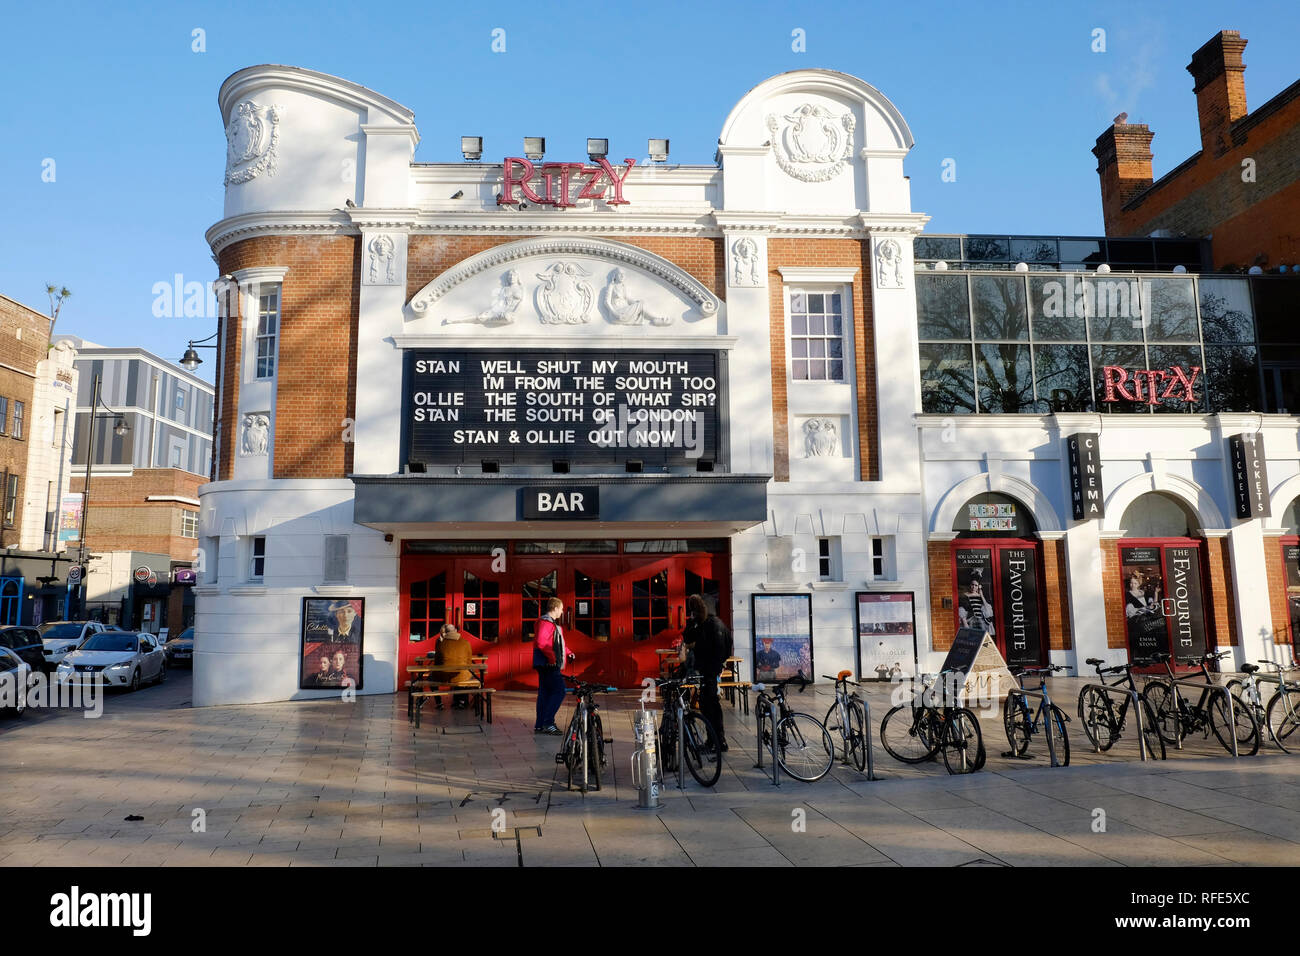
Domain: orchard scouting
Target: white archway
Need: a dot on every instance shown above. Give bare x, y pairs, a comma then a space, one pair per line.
946, 514
1280, 499
1200, 501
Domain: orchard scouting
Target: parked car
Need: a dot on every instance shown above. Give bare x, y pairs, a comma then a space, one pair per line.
119, 658
60, 637
15, 675
26, 643
180, 649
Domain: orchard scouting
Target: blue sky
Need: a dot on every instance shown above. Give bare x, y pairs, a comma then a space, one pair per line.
1013, 92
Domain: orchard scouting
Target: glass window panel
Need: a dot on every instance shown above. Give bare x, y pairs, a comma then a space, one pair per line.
834, 325
1033, 250
420, 609
1129, 358
1169, 305
1277, 308
942, 307
419, 589
798, 302
1226, 314
1082, 251
800, 347
1187, 358
1005, 381
836, 348
837, 370
817, 370
817, 348
799, 325
947, 380
1232, 373
1135, 251
1113, 315
1000, 307
987, 248
936, 247
801, 369
835, 304
1178, 252
1054, 302
1063, 381
815, 303
816, 325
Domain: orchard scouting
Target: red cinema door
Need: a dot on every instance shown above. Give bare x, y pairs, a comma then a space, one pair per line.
591, 615
486, 612
426, 607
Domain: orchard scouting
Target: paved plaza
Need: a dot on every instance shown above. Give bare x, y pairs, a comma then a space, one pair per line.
351, 783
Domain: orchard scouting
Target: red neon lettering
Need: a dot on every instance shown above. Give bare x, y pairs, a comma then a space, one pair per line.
560, 199
616, 180
1114, 378
1153, 379
507, 197
1181, 378
593, 174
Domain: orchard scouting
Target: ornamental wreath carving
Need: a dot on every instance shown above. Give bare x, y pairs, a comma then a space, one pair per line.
746, 263
382, 254
820, 438
564, 297
252, 136
889, 264
813, 144
256, 428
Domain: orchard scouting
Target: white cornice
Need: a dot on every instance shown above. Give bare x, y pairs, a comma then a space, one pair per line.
250, 80
291, 222
256, 275
817, 273
438, 340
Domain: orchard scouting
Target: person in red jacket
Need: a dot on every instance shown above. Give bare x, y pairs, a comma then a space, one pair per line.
550, 680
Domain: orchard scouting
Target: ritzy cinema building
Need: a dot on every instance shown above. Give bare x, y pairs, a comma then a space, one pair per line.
450, 391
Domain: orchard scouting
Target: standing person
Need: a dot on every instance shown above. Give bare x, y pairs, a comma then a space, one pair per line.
710, 640
547, 663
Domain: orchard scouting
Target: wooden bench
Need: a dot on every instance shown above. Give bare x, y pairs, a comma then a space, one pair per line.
482, 697
731, 686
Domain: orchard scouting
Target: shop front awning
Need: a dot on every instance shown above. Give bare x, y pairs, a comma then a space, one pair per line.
610, 505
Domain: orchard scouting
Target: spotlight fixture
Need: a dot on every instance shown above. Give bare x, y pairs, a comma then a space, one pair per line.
534, 147
597, 148
415, 467
704, 464
634, 466
560, 466
471, 147
490, 467
657, 150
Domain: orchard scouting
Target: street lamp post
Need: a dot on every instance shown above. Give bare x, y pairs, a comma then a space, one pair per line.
119, 429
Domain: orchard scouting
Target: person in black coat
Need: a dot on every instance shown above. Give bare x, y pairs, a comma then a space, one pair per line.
710, 642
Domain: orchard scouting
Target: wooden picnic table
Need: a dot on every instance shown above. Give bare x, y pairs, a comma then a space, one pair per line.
423, 677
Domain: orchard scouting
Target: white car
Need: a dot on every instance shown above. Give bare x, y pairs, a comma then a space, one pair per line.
118, 658
60, 637
15, 676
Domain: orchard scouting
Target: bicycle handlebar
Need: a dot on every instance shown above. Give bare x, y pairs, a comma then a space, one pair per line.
838, 679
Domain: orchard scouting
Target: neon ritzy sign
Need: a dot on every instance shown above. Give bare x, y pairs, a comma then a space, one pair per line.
1144, 385
559, 180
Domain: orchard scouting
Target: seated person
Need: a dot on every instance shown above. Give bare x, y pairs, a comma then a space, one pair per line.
453, 650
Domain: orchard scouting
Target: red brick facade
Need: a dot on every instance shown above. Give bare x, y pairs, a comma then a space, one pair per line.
1277, 598
1056, 595
1221, 628
121, 519
1242, 188
24, 336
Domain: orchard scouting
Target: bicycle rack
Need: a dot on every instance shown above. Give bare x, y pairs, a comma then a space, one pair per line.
1213, 689
758, 748
1107, 689
1284, 687
866, 732
1047, 718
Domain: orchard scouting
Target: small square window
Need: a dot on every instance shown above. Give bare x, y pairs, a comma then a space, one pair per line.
257, 566
19, 412
878, 557
828, 559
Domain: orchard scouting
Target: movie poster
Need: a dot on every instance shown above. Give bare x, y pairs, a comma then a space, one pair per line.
1291, 559
1187, 612
782, 636
975, 589
1143, 593
1019, 579
886, 635
331, 643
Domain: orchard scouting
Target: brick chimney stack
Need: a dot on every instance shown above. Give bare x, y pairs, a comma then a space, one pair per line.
1220, 89
1124, 165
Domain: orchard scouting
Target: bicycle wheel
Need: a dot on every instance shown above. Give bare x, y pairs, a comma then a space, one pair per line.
857, 736
1060, 739
703, 758
1284, 719
1242, 724
804, 747
962, 743
1163, 704
907, 734
1151, 734
1017, 723
1098, 719
599, 732
593, 752
575, 746
835, 727
668, 743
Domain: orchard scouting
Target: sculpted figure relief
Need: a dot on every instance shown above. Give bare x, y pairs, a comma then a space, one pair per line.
504, 304
624, 310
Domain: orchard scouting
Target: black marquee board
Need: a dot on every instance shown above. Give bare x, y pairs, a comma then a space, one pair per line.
586, 406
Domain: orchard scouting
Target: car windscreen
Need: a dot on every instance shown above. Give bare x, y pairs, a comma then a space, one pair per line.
185, 635
67, 632
111, 642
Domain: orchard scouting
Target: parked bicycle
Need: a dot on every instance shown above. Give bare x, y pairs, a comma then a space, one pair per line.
804, 748
700, 741
1104, 721
1021, 725
847, 719
582, 751
930, 724
1282, 716
1176, 718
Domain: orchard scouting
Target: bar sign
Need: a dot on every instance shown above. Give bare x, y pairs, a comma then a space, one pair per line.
1087, 500
1249, 477
562, 504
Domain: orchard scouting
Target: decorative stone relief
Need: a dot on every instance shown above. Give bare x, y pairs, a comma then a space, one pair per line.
254, 431
889, 264
745, 266
565, 297
813, 144
821, 438
622, 309
382, 264
251, 139
505, 302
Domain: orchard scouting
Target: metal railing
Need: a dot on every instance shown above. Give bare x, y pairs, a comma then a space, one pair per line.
1108, 689
1213, 689
767, 702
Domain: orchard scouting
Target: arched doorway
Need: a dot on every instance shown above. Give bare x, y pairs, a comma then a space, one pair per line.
996, 575
1290, 544
1162, 560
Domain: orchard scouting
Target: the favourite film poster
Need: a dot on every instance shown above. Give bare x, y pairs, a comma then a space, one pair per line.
332, 643
886, 635
1291, 558
975, 589
1148, 632
782, 636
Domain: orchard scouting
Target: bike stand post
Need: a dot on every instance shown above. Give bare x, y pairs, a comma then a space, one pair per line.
681, 746
866, 733
1141, 724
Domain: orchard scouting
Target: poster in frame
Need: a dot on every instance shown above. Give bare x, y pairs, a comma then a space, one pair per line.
332, 643
885, 634
782, 635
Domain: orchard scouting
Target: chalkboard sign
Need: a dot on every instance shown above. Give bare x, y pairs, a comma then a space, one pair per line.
534, 406
961, 656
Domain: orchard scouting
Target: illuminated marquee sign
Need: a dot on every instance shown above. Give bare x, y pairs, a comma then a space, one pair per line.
1144, 385
992, 517
562, 184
